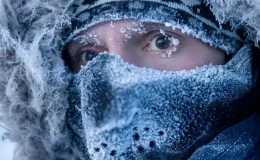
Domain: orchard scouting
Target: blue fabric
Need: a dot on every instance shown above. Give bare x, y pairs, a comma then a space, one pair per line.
239, 142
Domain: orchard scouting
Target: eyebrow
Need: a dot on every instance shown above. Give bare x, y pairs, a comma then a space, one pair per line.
149, 26
88, 38
152, 25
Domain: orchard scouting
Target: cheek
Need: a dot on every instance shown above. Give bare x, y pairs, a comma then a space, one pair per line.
201, 54
188, 58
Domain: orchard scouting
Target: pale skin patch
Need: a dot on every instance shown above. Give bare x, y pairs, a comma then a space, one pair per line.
131, 40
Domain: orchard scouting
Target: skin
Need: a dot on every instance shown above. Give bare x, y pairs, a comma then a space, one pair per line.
139, 47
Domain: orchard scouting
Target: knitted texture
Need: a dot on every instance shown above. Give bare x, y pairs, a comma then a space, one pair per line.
191, 16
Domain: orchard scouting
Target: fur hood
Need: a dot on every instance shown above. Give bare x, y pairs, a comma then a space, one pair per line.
33, 77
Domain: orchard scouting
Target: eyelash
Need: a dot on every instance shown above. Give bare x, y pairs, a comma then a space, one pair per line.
157, 35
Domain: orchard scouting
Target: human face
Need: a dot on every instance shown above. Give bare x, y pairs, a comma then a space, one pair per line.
144, 44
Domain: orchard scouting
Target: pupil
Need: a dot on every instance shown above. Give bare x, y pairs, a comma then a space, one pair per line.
162, 42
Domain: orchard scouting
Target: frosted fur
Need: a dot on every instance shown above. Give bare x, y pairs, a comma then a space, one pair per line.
33, 79
239, 12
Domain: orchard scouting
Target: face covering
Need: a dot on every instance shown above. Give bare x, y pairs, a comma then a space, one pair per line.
120, 111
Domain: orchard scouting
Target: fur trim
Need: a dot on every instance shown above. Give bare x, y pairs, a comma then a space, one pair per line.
33, 78
239, 12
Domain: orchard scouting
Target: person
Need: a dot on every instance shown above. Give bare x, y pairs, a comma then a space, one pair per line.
131, 80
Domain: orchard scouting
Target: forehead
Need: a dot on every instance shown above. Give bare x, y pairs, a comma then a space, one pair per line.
129, 25
120, 28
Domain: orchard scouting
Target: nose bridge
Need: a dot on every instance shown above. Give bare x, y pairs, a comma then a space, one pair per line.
117, 43
116, 46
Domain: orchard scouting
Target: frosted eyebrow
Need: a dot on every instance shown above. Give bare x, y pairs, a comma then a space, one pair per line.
139, 28
149, 26
89, 38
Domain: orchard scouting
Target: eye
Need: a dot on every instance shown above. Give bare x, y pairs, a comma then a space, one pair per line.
86, 56
162, 42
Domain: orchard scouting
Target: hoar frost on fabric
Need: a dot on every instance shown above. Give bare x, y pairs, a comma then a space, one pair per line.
137, 113
33, 79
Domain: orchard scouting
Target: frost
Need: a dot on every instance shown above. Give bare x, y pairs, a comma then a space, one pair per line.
89, 38
139, 108
118, 123
33, 78
245, 13
136, 5
174, 41
162, 32
122, 30
134, 28
111, 24
186, 30
170, 52
168, 24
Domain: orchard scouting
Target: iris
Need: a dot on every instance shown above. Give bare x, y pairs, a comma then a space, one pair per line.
88, 56
163, 42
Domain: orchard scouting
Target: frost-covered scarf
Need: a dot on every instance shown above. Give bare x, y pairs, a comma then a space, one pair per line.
126, 112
